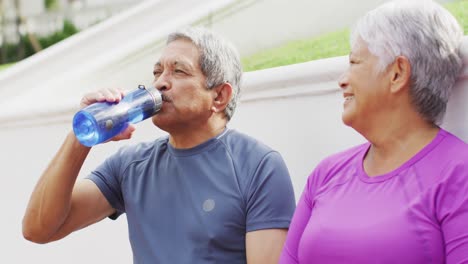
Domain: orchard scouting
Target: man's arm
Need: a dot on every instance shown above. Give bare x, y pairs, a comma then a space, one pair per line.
264, 246
270, 207
57, 206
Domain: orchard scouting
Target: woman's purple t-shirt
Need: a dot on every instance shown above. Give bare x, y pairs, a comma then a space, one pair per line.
417, 213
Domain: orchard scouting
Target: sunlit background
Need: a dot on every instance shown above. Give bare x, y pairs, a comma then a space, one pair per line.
53, 51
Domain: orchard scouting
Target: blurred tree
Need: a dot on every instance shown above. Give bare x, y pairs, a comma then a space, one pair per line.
31, 37
3, 54
51, 5
20, 47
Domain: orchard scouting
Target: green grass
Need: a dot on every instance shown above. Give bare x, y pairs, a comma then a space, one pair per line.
325, 46
4, 66
329, 45
460, 10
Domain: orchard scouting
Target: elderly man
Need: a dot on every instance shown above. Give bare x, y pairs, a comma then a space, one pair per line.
203, 194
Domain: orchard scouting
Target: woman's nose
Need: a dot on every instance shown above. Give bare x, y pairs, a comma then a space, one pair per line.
343, 80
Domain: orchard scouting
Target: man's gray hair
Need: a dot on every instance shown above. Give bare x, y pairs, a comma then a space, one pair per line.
219, 61
429, 37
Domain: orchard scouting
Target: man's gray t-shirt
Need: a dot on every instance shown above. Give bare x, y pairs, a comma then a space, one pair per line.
196, 205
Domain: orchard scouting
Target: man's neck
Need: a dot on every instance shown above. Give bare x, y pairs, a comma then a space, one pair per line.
191, 137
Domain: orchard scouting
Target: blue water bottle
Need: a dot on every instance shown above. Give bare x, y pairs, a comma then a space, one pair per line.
101, 121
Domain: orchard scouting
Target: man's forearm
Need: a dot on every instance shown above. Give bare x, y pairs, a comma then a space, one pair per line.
50, 201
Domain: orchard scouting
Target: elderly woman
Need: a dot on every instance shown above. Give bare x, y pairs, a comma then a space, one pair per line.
403, 196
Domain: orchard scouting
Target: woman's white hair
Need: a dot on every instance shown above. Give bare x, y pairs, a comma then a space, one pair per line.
425, 33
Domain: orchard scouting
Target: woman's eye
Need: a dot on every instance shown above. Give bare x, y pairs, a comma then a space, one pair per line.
157, 73
179, 71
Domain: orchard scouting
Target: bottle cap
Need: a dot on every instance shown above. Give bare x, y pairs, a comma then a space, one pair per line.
155, 94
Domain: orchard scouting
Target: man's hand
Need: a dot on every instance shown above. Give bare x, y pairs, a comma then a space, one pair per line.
104, 95
111, 95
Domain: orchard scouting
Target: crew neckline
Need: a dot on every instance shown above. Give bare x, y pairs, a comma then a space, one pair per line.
383, 177
197, 149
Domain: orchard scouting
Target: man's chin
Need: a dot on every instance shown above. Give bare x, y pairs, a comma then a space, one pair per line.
157, 121
161, 122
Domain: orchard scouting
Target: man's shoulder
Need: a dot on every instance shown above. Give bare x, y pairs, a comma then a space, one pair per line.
239, 143
141, 150
248, 154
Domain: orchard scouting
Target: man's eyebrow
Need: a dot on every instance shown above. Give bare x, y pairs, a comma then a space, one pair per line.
175, 63
182, 64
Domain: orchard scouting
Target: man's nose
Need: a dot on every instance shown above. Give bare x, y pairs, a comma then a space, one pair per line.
162, 83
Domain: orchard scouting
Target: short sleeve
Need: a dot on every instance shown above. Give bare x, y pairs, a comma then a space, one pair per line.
270, 195
107, 178
301, 217
452, 212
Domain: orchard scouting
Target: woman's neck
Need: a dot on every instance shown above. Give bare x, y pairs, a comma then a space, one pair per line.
396, 143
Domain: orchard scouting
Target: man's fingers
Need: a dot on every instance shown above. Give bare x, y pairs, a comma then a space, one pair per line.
111, 95
126, 134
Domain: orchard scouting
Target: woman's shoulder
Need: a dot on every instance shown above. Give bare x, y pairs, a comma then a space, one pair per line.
452, 145
346, 156
338, 167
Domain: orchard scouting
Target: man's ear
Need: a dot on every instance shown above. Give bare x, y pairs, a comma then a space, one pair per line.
222, 96
400, 74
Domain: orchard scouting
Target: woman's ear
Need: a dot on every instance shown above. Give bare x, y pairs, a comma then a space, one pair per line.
400, 74
222, 97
